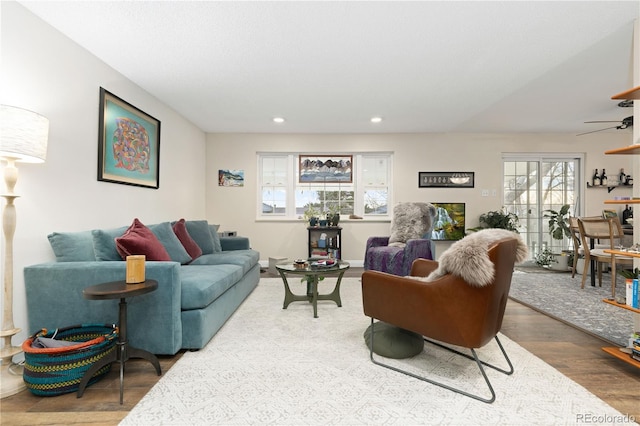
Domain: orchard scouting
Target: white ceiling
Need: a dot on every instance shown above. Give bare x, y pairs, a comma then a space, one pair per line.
328, 67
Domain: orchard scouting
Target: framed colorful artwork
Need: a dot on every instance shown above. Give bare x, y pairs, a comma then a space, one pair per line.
325, 169
128, 144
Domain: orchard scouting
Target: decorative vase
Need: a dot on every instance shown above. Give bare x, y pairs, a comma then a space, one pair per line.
335, 219
323, 222
313, 221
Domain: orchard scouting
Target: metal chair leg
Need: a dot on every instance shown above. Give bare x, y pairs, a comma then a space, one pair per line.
474, 357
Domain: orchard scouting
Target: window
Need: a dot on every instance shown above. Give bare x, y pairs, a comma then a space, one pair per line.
282, 196
375, 184
274, 185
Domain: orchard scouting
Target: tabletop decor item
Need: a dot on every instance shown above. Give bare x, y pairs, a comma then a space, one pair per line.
135, 269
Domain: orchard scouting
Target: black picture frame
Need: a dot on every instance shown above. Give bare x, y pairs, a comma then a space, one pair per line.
128, 143
446, 179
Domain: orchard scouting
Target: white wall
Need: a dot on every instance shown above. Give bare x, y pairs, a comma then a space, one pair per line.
235, 207
44, 71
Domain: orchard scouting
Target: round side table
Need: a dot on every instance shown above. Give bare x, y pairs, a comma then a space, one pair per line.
119, 290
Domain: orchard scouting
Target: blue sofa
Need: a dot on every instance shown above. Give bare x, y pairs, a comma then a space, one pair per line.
193, 300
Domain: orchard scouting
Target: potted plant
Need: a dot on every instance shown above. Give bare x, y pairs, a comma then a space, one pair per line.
333, 216
559, 229
545, 258
311, 214
559, 222
498, 219
629, 274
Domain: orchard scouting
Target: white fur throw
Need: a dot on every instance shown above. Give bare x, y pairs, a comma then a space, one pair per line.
468, 258
411, 221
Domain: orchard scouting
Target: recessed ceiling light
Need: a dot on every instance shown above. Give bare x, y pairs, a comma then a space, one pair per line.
278, 120
376, 119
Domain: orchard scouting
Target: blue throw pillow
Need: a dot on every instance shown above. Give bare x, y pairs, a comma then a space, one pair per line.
217, 246
72, 246
104, 243
164, 233
199, 231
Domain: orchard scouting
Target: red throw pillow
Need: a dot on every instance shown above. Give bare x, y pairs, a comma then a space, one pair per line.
139, 239
180, 229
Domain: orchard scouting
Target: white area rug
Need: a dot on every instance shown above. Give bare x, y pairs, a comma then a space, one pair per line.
283, 367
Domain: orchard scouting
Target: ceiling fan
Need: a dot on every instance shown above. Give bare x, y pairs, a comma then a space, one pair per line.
624, 124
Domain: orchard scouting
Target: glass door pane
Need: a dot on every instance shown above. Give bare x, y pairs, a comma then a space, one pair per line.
533, 185
521, 198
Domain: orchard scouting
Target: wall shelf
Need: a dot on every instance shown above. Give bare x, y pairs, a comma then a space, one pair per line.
627, 150
633, 93
634, 201
609, 187
613, 302
616, 352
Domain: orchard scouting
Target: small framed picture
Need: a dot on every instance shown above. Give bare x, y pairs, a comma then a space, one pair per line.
228, 177
446, 180
128, 144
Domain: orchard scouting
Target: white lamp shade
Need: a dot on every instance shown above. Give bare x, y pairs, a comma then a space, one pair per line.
23, 135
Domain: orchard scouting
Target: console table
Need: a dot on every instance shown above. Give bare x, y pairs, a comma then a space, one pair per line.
119, 290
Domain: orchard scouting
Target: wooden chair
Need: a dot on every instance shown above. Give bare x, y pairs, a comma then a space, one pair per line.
609, 229
577, 242
575, 238
448, 310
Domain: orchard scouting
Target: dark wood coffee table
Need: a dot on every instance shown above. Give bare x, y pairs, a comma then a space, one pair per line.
119, 290
313, 274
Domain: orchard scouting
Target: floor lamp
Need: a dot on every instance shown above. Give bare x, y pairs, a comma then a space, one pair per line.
23, 138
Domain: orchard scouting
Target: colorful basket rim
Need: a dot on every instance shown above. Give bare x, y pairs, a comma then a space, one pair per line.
111, 332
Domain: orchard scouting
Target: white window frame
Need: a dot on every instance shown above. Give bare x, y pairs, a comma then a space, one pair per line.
292, 183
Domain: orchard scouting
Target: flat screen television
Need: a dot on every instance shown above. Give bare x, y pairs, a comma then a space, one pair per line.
449, 222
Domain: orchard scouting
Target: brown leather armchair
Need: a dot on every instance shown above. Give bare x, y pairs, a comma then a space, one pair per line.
448, 309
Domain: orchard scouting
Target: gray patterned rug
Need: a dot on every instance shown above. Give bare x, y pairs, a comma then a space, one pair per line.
558, 295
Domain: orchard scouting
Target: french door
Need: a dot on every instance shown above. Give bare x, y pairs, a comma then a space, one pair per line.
534, 183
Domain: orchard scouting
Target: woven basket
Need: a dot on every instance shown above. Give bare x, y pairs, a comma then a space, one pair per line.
56, 371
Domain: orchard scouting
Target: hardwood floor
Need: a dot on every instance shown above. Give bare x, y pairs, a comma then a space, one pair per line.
572, 352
